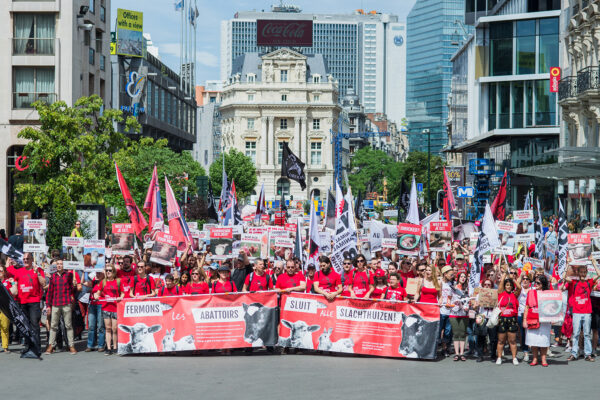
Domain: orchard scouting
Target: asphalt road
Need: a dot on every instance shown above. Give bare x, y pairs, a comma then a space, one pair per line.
305, 376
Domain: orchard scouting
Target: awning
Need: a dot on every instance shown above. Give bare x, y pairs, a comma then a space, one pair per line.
560, 171
498, 137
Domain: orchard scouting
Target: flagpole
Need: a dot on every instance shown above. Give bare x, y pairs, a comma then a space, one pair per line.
181, 49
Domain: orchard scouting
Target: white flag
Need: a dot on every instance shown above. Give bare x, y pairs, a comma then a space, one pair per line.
345, 231
413, 208
487, 241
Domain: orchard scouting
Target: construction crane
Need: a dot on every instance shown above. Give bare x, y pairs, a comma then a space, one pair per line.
339, 136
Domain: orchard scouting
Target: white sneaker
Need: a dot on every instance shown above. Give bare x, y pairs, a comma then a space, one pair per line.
526, 357
568, 349
499, 361
550, 353
515, 361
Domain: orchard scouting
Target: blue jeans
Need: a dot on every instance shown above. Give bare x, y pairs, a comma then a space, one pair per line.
582, 321
524, 347
96, 323
445, 326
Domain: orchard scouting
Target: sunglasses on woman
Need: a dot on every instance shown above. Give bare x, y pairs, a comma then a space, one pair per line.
195, 273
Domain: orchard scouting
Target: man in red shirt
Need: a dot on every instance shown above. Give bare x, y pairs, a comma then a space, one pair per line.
170, 289
126, 273
291, 281
347, 277
579, 299
327, 281
258, 280
142, 285
30, 281
59, 301
394, 291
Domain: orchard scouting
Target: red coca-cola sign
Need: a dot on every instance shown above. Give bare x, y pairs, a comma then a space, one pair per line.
284, 32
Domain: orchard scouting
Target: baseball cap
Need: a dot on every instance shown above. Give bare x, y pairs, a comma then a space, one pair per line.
459, 256
223, 267
214, 266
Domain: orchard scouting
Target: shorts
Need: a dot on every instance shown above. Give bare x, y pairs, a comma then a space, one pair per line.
109, 315
459, 328
596, 321
508, 324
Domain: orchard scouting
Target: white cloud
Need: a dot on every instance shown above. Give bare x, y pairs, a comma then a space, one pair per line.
203, 57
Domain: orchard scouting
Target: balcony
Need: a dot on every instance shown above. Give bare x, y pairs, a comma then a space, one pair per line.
33, 46
25, 100
567, 88
588, 79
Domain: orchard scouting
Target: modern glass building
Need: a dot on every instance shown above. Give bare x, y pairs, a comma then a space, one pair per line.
434, 31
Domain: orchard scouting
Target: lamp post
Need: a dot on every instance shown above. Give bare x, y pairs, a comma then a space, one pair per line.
428, 132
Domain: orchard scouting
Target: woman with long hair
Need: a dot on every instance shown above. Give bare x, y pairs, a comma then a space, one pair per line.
379, 285
429, 289
538, 333
184, 279
524, 283
507, 322
459, 317
198, 284
110, 291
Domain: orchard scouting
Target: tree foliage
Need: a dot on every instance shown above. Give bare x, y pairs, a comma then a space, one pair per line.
239, 168
416, 163
368, 168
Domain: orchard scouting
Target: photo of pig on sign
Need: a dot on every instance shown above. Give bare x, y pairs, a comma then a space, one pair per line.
409, 238
122, 239
164, 249
72, 251
34, 235
221, 243
440, 235
251, 244
579, 248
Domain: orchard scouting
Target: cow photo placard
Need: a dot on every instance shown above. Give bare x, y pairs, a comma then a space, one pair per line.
506, 233
72, 250
409, 239
440, 235
95, 248
123, 238
34, 235
221, 243
164, 249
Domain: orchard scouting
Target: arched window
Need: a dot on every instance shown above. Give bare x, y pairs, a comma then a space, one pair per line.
283, 187
316, 194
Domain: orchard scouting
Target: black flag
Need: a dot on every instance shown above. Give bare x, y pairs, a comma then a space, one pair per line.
10, 251
211, 208
292, 167
330, 214
358, 206
404, 199
10, 308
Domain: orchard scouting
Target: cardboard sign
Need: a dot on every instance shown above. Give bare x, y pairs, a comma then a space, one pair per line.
34, 235
72, 250
221, 243
488, 298
412, 285
123, 239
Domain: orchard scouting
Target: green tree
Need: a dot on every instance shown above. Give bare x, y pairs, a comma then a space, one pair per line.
416, 163
136, 163
69, 159
368, 168
239, 168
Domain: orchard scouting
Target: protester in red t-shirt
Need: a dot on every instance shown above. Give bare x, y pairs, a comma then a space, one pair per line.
346, 277
198, 284
507, 322
110, 292
258, 280
394, 291
290, 280
311, 269
327, 281
362, 282
224, 284
126, 274
170, 288
142, 284
31, 281
406, 270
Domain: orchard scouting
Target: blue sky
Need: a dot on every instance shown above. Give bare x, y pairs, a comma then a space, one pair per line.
162, 22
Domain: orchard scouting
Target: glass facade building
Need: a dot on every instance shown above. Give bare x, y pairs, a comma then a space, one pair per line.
433, 36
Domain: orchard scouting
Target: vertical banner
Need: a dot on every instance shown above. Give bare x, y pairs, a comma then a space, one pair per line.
130, 26
123, 238
34, 235
377, 328
554, 79
202, 322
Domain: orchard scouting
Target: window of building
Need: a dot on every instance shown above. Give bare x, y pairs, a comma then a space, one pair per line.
87, 38
316, 98
315, 153
34, 33
92, 6
92, 56
283, 187
212, 99
102, 62
548, 45
250, 124
545, 104
251, 78
33, 84
492, 103
316, 124
283, 123
316, 78
279, 152
99, 41
501, 48
251, 150
284, 75
525, 47
284, 97
102, 14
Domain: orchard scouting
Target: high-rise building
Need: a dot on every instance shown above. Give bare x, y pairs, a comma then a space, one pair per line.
365, 51
51, 50
208, 143
434, 30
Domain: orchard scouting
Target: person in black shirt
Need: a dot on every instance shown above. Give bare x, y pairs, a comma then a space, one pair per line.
242, 268
17, 239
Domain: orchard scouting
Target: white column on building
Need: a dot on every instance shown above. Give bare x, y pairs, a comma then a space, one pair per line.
263, 141
297, 135
270, 140
304, 141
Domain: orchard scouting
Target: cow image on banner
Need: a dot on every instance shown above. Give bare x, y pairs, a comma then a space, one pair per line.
377, 328
95, 248
201, 322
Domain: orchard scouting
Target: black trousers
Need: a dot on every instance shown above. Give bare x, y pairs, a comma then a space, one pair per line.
34, 313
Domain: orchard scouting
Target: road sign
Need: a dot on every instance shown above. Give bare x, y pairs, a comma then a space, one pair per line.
368, 204
390, 213
419, 187
465, 191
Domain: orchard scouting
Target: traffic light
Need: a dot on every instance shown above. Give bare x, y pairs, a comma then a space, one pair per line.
441, 196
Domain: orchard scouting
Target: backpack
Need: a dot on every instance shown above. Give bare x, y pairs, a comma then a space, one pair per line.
148, 283
252, 277
214, 285
118, 285
162, 290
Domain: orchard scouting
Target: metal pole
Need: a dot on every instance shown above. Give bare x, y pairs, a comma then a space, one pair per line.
181, 52
429, 167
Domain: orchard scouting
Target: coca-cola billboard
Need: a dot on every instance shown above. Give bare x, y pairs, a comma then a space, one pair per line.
284, 32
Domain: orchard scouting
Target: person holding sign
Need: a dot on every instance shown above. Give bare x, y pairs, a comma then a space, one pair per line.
538, 334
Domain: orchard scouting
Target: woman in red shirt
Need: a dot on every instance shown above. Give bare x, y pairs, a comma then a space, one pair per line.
395, 291
429, 287
379, 285
507, 323
362, 281
224, 284
198, 284
109, 290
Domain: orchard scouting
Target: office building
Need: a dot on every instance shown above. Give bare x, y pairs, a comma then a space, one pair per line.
208, 143
52, 50
365, 51
435, 29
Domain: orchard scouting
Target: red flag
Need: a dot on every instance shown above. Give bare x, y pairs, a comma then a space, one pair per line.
153, 204
138, 221
177, 225
499, 205
448, 191
150, 193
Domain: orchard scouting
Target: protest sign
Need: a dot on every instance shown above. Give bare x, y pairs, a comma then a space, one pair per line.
202, 322
440, 235
579, 247
164, 249
192, 225
409, 238
283, 248
550, 306
34, 235
122, 239
525, 227
506, 234
412, 285
388, 247
72, 250
377, 328
536, 263
251, 244
487, 298
95, 248
221, 243
378, 231
595, 241
325, 242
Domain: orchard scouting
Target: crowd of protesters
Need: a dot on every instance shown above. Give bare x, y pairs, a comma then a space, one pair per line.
67, 303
